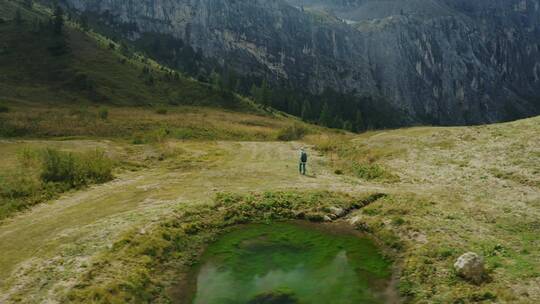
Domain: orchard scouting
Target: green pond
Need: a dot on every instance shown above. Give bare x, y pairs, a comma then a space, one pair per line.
290, 263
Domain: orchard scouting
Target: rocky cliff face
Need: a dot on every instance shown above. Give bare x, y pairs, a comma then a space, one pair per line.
438, 61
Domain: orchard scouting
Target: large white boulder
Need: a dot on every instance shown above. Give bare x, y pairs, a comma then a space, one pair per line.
471, 267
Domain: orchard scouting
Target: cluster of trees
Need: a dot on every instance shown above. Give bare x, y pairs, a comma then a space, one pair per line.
330, 109
54, 27
172, 51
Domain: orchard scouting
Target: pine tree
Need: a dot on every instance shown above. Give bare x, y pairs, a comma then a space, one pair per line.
124, 50
265, 94
232, 80
84, 23
292, 106
28, 3
256, 93
58, 20
359, 125
337, 122
36, 25
18, 17
215, 80
306, 110
347, 125
326, 118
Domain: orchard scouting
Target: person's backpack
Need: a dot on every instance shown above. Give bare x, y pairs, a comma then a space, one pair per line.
303, 157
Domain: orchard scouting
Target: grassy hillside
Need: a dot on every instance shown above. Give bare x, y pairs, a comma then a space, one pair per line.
89, 68
454, 190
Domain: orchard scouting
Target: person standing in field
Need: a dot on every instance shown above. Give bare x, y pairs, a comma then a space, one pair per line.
303, 161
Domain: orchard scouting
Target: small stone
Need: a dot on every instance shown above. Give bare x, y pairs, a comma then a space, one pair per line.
354, 220
471, 267
326, 218
338, 212
142, 231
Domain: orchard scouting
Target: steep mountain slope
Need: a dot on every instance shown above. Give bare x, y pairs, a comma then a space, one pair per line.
435, 61
38, 65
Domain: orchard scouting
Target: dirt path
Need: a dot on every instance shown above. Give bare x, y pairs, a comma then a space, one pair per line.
45, 247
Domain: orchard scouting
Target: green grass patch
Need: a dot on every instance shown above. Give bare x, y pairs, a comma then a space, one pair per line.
372, 172
356, 159
515, 177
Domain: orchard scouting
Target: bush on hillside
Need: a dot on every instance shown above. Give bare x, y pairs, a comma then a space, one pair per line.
3, 108
161, 111
8, 129
76, 170
371, 172
103, 113
294, 132
20, 190
42, 175
17, 185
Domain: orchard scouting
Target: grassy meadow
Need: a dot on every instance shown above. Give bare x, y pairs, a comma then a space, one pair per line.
454, 190
446, 191
141, 124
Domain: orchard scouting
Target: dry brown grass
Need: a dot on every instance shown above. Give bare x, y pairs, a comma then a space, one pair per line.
142, 124
460, 189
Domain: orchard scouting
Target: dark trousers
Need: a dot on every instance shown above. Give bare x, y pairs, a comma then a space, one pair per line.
303, 168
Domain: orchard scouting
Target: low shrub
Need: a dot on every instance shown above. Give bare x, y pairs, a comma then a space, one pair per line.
19, 185
328, 144
137, 139
398, 221
8, 129
372, 172
42, 175
294, 132
162, 111
3, 108
76, 170
103, 113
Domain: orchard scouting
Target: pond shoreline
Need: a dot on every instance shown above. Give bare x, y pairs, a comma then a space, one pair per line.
386, 290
